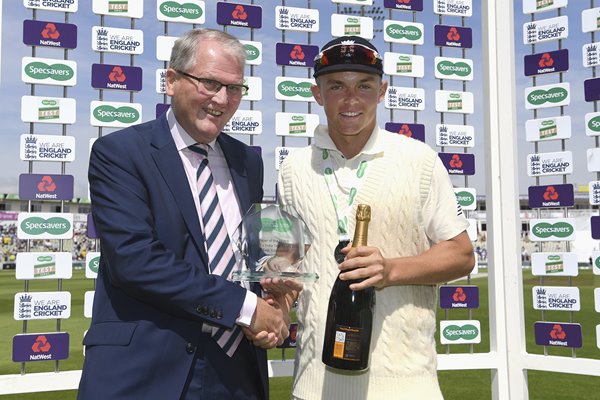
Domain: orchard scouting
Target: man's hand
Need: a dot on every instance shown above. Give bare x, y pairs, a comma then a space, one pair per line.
366, 263
281, 294
269, 326
442, 262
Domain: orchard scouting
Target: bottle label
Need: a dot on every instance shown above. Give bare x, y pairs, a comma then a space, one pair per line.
347, 343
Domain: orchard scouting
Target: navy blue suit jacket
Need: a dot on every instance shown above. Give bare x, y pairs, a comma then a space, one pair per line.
153, 290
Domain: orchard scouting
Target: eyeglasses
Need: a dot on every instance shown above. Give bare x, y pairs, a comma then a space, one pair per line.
352, 53
213, 87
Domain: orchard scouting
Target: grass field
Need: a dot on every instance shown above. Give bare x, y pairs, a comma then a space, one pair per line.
459, 385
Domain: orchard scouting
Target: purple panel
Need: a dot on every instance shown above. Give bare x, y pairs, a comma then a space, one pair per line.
551, 196
235, 14
40, 347
458, 163
591, 89
459, 297
416, 131
297, 55
595, 222
291, 339
161, 108
50, 34
547, 63
559, 334
453, 36
45, 187
406, 5
117, 77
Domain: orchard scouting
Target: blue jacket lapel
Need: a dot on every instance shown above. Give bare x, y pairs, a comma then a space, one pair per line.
169, 164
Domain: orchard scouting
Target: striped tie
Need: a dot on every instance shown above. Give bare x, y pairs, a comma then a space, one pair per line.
220, 254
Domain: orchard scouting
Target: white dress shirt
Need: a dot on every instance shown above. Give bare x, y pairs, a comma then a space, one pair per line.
228, 200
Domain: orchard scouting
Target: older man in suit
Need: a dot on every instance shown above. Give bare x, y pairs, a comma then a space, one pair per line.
167, 196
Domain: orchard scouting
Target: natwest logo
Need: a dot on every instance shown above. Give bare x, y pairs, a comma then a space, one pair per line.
239, 13
458, 164
453, 36
459, 297
561, 334
50, 34
550, 194
406, 5
415, 131
41, 345
243, 15
545, 61
116, 77
46, 184
295, 54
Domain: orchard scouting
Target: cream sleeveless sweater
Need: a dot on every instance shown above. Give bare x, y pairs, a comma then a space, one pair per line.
403, 356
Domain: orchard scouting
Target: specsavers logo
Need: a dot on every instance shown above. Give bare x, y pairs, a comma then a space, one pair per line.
278, 225
554, 95
292, 89
252, 52
94, 264
173, 9
448, 68
594, 124
36, 226
40, 70
460, 331
465, 198
121, 114
456, 332
546, 230
397, 31
108, 113
296, 90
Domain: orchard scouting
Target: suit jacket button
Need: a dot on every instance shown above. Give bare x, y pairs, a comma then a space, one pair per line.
213, 313
201, 309
190, 348
219, 314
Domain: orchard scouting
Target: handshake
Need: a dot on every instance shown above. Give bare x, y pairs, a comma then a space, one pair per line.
271, 320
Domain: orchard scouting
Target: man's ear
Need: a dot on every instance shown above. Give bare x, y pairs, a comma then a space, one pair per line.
171, 79
382, 91
316, 91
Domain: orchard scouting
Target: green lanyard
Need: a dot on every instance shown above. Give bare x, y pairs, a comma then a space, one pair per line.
343, 207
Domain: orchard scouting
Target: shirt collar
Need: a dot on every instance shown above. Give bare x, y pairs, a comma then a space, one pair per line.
372, 147
181, 138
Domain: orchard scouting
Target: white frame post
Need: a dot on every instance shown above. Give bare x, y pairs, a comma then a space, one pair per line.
507, 334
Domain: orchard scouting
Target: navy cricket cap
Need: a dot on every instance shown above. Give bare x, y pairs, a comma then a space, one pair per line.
348, 53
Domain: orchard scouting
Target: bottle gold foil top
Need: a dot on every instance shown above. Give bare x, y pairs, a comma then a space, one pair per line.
363, 216
363, 212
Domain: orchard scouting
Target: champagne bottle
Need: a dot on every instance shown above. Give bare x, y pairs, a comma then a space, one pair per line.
350, 313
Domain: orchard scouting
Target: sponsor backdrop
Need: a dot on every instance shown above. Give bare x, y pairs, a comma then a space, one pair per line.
447, 86
115, 74
547, 98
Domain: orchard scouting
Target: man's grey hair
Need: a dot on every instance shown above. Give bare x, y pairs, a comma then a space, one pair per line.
183, 54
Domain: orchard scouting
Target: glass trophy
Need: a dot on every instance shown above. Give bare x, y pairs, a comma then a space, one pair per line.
273, 244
